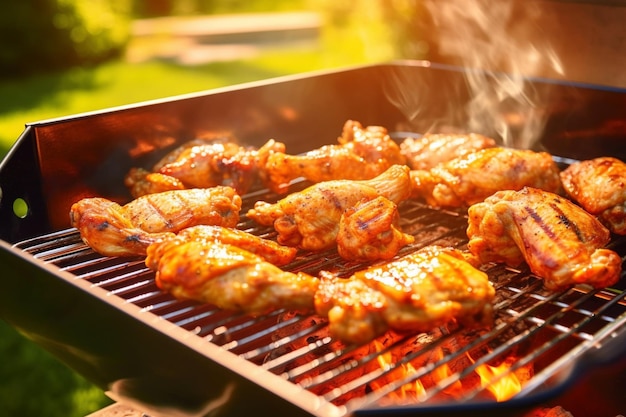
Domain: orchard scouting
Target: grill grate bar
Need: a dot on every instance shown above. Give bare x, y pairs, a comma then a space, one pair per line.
276, 364
110, 272
284, 341
54, 240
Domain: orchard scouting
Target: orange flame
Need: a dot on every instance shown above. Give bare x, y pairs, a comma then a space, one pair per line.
506, 384
410, 390
498, 380
442, 372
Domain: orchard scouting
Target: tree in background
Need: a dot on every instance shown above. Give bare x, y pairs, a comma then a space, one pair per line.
49, 35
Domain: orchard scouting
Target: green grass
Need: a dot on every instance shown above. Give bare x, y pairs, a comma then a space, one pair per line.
32, 382
120, 83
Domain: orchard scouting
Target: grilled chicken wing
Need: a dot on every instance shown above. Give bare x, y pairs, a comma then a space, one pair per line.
267, 249
114, 230
309, 219
142, 182
369, 231
203, 164
228, 277
433, 148
470, 179
362, 153
414, 293
560, 242
599, 186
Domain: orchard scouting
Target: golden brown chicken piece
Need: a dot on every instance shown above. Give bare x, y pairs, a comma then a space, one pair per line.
267, 249
229, 277
433, 148
599, 186
114, 230
203, 164
560, 242
370, 231
474, 177
309, 219
414, 293
362, 153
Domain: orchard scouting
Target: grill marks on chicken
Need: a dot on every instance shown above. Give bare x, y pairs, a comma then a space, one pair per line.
470, 179
560, 242
309, 219
370, 231
114, 230
431, 149
228, 277
267, 249
599, 186
362, 153
203, 164
416, 292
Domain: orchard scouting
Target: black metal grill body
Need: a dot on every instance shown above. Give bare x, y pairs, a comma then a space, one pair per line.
106, 319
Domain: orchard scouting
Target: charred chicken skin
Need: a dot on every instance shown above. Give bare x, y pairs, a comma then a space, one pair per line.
228, 277
309, 219
414, 293
362, 153
203, 164
114, 230
599, 186
267, 249
560, 242
370, 231
431, 149
470, 179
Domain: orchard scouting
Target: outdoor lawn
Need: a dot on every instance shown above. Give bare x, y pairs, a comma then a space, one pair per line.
33, 383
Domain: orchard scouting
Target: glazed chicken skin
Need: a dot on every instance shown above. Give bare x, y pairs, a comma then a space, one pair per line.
362, 153
414, 293
470, 179
560, 242
431, 149
370, 231
267, 249
114, 230
229, 277
203, 164
309, 219
599, 186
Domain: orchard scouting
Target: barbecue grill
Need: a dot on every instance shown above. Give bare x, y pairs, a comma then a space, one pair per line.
106, 319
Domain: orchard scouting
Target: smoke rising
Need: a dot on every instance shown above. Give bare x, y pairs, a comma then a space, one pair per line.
501, 44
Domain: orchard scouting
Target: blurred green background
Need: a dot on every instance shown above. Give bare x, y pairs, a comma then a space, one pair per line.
62, 57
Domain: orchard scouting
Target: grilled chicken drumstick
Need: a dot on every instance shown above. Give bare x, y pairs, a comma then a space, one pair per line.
228, 277
560, 242
433, 148
114, 230
309, 219
362, 153
599, 186
202, 164
470, 179
414, 293
267, 249
369, 231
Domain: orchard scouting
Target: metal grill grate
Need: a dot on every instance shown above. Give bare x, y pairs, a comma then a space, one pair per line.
536, 331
